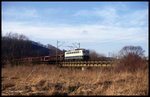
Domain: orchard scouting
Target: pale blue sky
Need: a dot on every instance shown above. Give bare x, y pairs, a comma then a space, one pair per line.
105, 27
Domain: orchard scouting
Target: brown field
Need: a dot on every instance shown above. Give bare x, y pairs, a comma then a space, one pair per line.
52, 80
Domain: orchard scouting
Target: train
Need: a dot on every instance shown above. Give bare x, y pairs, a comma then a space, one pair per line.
71, 55
68, 56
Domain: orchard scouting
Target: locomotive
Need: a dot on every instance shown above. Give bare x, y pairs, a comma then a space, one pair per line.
77, 54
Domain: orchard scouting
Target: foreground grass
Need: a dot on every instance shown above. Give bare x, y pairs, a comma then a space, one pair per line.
52, 80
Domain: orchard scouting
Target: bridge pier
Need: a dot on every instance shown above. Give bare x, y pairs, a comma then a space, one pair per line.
83, 68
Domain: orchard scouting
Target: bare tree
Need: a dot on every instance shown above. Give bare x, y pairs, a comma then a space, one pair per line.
131, 58
134, 50
96, 56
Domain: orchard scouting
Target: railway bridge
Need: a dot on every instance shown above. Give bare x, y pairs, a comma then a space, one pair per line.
86, 63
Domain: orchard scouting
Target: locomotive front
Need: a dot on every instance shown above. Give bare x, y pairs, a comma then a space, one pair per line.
77, 54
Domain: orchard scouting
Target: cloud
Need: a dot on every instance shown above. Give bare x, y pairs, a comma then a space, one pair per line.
136, 18
116, 16
20, 12
84, 33
51, 10
139, 17
107, 15
100, 12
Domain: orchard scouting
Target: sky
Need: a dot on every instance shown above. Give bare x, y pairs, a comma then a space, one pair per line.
105, 27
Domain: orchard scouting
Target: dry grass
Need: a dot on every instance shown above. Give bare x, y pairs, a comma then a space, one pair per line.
52, 80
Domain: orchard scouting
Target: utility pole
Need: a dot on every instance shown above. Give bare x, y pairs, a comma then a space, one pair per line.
57, 46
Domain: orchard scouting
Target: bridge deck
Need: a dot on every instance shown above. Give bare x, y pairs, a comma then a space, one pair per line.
86, 63
73, 63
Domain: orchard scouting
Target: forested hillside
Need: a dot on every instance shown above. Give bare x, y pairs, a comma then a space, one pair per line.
15, 46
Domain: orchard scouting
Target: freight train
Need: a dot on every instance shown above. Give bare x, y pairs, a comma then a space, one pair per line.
71, 55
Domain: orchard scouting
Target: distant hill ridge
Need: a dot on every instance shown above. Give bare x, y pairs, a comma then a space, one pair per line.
19, 46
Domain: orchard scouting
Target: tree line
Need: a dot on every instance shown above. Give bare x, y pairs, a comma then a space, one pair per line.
129, 58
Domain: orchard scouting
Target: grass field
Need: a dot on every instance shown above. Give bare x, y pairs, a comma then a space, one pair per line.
52, 80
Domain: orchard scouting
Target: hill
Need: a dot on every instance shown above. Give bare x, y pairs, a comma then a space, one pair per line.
16, 46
